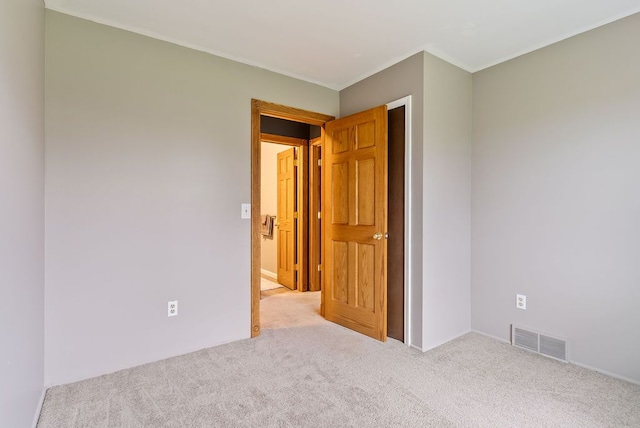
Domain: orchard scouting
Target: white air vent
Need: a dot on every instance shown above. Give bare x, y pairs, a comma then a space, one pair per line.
539, 343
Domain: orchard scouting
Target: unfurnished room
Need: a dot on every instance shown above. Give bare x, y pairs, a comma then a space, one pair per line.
332, 214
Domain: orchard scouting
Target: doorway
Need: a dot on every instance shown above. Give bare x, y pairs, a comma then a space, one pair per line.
396, 210
285, 193
279, 203
261, 109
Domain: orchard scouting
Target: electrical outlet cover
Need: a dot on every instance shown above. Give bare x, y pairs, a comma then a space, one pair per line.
172, 308
521, 301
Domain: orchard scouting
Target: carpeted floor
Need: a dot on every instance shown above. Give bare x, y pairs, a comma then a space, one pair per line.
306, 372
267, 284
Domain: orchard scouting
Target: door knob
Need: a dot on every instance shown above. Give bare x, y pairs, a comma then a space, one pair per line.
377, 236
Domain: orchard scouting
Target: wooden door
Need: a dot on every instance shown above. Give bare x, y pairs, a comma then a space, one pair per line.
354, 258
315, 199
285, 218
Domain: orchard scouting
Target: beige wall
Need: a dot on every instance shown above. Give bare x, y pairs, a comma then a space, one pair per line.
148, 162
21, 210
446, 201
440, 162
269, 201
398, 81
556, 196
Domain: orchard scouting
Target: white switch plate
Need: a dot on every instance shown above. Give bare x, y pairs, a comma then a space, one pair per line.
172, 308
245, 211
521, 301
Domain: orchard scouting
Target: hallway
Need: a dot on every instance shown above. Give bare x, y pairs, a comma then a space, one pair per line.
283, 308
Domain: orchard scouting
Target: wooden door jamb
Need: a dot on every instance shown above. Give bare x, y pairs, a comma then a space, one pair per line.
263, 108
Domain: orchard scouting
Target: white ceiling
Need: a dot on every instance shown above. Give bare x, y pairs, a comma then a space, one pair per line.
337, 42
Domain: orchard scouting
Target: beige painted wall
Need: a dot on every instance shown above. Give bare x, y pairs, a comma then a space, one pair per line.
556, 196
269, 201
446, 202
148, 162
21, 210
441, 133
398, 81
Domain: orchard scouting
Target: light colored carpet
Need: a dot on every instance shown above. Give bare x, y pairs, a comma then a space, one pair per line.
267, 284
283, 308
317, 374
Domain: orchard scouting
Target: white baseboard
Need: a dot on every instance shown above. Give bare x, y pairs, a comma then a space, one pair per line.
575, 363
442, 342
416, 347
606, 373
36, 417
499, 339
269, 274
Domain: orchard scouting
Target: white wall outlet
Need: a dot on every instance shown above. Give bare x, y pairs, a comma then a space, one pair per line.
172, 308
245, 211
521, 301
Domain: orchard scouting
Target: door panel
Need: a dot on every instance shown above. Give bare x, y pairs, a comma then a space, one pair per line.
340, 287
355, 194
366, 275
340, 187
366, 192
286, 218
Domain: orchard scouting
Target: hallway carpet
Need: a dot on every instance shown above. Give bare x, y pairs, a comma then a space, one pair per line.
305, 372
267, 284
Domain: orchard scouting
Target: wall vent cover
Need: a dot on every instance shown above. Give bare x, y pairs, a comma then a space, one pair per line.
539, 343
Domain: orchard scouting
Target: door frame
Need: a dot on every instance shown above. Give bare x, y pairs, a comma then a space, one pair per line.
408, 236
264, 108
315, 195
